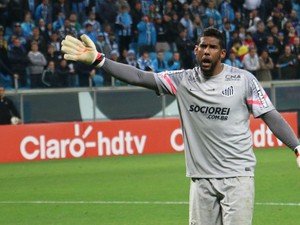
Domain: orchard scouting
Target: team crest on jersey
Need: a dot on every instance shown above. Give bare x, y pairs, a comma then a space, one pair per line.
228, 91
232, 77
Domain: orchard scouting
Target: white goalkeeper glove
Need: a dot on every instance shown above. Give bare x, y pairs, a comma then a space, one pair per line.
82, 51
297, 152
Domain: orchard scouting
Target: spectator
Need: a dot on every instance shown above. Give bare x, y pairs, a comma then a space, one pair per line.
102, 45
27, 25
2, 31
250, 5
86, 74
175, 63
152, 13
79, 7
131, 58
39, 39
226, 32
29, 6
177, 6
61, 6
197, 27
17, 31
248, 41
89, 32
295, 20
185, 48
280, 43
251, 62
96, 26
19, 62
54, 56
238, 20
168, 9
269, 25
55, 41
239, 49
232, 60
272, 49
173, 26
50, 78
159, 64
136, 15
144, 62
147, 35
287, 64
5, 67
227, 10
278, 18
253, 20
295, 47
187, 23
292, 34
211, 23
74, 24
8, 111
265, 67
274, 33
123, 28
58, 23
212, 12
36, 67
65, 74
107, 79
67, 29
44, 31
108, 12
161, 31
242, 34
107, 30
260, 37
43, 11
112, 42
186, 10
197, 8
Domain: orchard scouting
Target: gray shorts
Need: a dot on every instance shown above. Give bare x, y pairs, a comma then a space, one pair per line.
225, 201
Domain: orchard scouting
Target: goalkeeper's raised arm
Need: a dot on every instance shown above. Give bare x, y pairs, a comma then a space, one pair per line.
84, 51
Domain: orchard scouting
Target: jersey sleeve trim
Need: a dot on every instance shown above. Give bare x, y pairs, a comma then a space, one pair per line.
256, 102
170, 83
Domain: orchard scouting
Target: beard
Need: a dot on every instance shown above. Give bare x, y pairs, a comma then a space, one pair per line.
208, 66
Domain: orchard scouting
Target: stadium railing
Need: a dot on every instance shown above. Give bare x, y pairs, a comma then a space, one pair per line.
122, 102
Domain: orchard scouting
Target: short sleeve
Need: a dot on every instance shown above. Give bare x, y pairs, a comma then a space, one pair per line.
168, 81
257, 99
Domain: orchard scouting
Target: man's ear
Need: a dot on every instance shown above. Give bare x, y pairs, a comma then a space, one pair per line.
223, 53
196, 49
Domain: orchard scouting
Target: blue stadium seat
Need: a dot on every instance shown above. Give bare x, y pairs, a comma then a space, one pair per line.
168, 55
152, 55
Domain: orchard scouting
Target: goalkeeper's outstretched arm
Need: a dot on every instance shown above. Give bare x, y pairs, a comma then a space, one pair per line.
283, 131
84, 51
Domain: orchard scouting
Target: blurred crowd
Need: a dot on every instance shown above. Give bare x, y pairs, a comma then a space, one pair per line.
262, 36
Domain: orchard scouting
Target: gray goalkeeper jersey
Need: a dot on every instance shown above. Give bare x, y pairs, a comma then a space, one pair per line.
215, 121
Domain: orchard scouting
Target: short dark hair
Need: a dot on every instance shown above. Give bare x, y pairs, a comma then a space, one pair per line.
213, 32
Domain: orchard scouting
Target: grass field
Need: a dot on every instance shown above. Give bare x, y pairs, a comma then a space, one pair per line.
135, 190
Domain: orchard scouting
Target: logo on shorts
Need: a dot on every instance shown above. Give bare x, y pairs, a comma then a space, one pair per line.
228, 92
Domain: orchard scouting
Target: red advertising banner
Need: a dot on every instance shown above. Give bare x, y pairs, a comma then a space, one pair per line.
108, 138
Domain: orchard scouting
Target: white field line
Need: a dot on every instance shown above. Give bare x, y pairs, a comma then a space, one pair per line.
133, 203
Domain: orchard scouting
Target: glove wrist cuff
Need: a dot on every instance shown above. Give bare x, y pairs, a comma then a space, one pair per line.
99, 60
297, 150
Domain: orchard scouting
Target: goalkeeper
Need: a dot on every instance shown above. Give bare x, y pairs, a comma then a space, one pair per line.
215, 102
